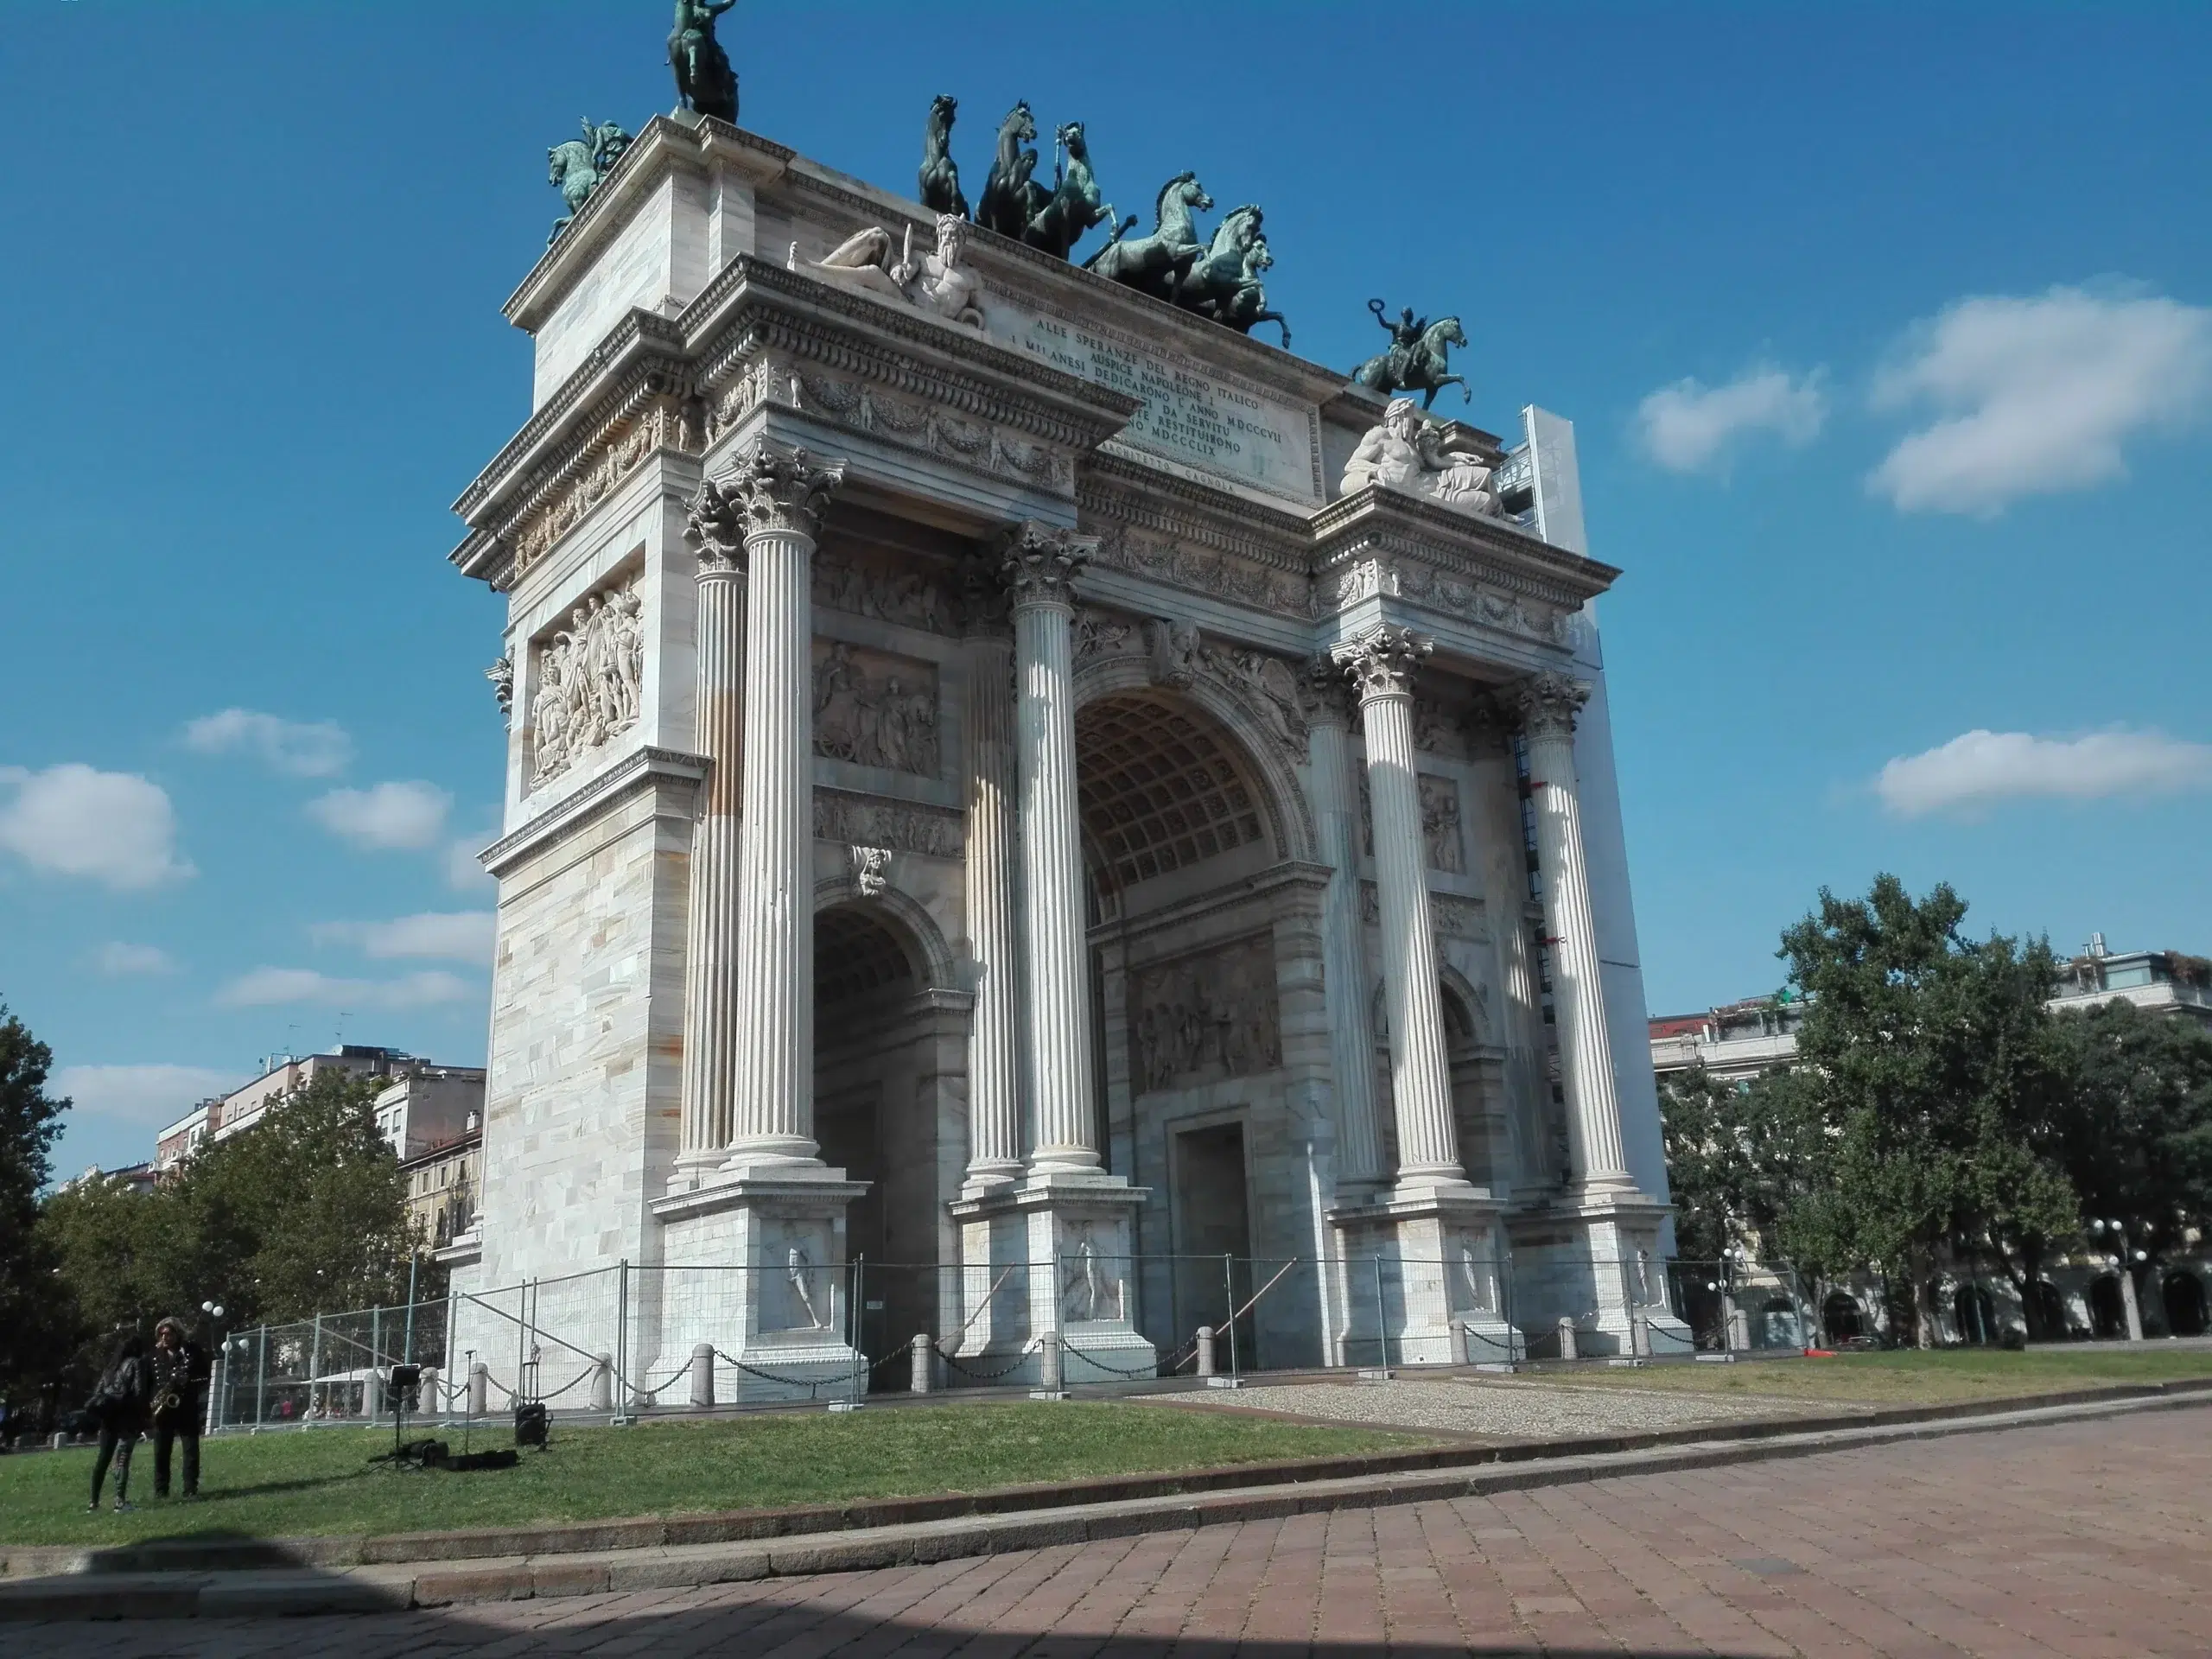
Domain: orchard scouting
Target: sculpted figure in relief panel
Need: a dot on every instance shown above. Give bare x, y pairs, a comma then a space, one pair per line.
590, 681
875, 718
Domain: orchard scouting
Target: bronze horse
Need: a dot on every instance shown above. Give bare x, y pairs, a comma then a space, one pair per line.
1011, 199
940, 190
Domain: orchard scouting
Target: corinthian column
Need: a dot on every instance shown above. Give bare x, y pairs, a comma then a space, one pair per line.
995, 1048
1382, 663
778, 496
1041, 564
1548, 704
1344, 972
711, 1003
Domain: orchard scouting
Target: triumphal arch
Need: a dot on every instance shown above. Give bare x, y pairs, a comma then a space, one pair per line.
1011, 777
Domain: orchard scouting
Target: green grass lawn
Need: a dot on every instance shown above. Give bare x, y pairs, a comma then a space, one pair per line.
1906, 1376
320, 1481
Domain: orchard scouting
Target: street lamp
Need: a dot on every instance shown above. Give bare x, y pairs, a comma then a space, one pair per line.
213, 1419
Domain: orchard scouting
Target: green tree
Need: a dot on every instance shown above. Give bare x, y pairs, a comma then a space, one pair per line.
1739, 1160
33, 1317
1928, 1072
2135, 1132
304, 1212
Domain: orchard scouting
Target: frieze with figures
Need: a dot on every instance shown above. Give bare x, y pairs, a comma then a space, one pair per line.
1422, 583
875, 709
1205, 1017
898, 826
661, 426
1177, 654
1163, 558
1451, 916
859, 586
590, 681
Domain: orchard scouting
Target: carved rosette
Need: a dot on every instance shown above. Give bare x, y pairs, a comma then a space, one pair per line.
715, 529
1381, 662
774, 491
1548, 703
1041, 562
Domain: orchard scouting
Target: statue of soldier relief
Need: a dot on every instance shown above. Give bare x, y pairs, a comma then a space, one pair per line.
704, 80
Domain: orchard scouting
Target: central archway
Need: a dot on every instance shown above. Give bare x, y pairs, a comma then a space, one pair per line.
1186, 831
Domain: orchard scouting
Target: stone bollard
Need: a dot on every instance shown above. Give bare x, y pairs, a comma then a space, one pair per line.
1205, 1350
602, 1382
1567, 1347
479, 1390
1739, 1330
373, 1391
1048, 1365
1457, 1328
58, 1440
430, 1400
1639, 1334
702, 1375
918, 1363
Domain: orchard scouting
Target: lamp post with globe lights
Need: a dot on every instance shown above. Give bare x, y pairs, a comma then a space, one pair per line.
2125, 1261
212, 1312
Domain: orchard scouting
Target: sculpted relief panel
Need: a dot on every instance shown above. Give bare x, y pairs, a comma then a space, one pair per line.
1440, 824
875, 709
1201, 1018
589, 680
860, 585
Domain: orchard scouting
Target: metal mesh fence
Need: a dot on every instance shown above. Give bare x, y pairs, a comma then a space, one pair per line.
635, 1340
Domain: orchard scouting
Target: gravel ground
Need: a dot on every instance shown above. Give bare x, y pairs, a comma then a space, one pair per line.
1497, 1411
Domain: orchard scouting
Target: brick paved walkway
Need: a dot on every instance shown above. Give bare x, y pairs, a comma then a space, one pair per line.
2089, 1540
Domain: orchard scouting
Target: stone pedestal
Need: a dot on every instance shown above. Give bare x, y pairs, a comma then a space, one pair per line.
1442, 1265
1596, 1260
1066, 1312
755, 1267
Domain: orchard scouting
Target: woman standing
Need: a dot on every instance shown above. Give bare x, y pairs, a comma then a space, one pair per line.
120, 1404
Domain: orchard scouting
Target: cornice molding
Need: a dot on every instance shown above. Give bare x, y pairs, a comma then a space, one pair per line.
642, 769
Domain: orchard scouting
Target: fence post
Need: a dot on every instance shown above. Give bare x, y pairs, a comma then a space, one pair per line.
860, 1328
376, 1338
1381, 1319
1229, 1285
261, 1377
1205, 1350
315, 1367
622, 1329
414, 1263
702, 1375
918, 1374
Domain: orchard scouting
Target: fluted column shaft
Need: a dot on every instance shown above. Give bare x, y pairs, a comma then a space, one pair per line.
1382, 664
994, 942
1039, 565
710, 1002
780, 495
1548, 703
1343, 969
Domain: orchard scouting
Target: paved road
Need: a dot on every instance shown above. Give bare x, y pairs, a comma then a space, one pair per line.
2089, 1540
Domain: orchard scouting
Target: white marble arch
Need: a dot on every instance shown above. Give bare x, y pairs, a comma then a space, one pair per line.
1290, 817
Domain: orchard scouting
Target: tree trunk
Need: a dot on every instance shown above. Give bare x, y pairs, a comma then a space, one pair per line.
1923, 1310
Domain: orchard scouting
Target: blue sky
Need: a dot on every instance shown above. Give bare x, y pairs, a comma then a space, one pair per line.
1885, 333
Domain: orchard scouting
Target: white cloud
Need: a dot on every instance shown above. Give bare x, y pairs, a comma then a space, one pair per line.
116, 959
114, 827
2034, 395
457, 936
149, 1095
276, 986
387, 816
1689, 426
305, 749
463, 873
1981, 768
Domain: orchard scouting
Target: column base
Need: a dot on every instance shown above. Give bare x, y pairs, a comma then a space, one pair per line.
756, 1265
1592, 1255
1422, 1284
1048, 1291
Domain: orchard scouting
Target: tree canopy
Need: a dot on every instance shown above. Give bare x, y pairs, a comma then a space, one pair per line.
30, 1118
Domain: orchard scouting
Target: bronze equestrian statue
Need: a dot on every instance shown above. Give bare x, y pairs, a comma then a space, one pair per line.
704, 80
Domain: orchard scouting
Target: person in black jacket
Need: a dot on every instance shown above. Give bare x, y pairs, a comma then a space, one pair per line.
181, 1372
120, 1404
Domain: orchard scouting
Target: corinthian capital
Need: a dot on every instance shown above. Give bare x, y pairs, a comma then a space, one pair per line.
1323, 696
1548, 702
1040, 563
1381, 661
775, 489
715, 527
